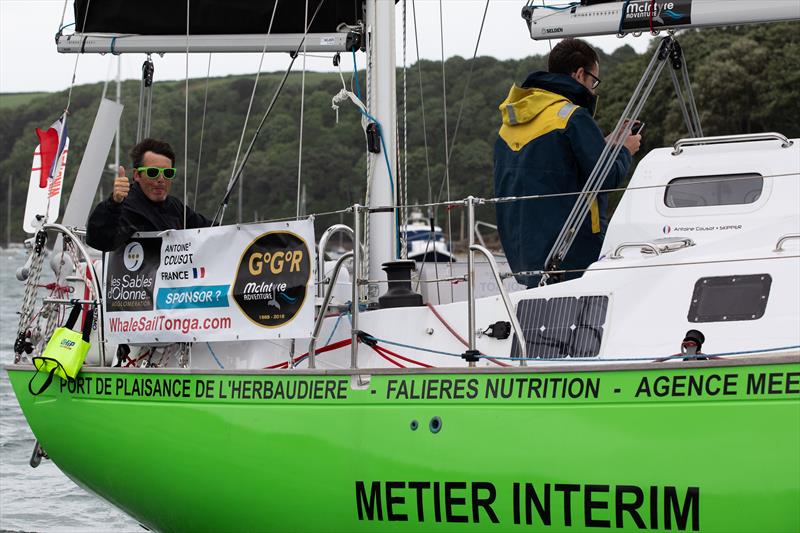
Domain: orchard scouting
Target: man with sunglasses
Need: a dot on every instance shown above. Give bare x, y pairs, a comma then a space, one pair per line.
145, 205
548, 144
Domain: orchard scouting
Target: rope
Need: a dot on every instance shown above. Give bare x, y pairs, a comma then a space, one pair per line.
446, 143
469, 79
366, 225
253, 92
63, 14
29, 298
202, 133
455, 333
221, 209
211, 351
302, 113
588, 359
318, 351
77, 56
186, 122
422, 104
403, 208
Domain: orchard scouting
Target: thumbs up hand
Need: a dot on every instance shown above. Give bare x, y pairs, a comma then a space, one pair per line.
121, 186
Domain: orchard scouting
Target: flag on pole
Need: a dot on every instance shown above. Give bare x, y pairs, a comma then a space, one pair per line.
52, 142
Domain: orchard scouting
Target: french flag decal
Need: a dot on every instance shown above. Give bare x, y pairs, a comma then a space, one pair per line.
199, 272
51, 142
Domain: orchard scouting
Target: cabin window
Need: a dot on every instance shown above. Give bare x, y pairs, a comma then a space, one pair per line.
562, 327
703, 191
730, 298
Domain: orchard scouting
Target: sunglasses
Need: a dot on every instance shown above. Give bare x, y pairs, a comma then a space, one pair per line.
595, 81
154, 172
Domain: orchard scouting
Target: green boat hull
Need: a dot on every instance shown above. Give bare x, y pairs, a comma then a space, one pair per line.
708, 446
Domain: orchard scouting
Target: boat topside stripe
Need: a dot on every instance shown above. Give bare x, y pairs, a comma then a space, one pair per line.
772, 359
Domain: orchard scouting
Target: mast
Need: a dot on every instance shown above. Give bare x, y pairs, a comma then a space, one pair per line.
383, 105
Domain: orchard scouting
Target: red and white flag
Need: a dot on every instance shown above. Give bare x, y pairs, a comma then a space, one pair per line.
52, 142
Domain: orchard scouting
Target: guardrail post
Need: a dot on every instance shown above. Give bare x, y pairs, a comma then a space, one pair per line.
471, 355
356, 289
312, 362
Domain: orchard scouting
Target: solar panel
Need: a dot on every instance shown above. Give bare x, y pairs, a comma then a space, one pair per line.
556, 328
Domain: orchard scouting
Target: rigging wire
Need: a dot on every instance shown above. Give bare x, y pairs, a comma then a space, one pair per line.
186, 122
202, 133
253, 94
403, 225
446, 143
77, 56
221, 209
467, 84
302, 113
431, 210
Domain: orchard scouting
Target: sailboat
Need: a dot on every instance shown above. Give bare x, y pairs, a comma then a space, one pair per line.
426, 243
659, 391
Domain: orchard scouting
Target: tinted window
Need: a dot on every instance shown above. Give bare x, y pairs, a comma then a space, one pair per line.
729, 298
702, 191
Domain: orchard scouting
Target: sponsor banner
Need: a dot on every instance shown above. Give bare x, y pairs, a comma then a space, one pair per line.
215, 284
648, 14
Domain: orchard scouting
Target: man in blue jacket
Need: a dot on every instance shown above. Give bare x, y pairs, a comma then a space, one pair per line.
549, 143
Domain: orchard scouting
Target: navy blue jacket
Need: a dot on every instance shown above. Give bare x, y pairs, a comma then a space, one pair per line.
549, 143
111, 224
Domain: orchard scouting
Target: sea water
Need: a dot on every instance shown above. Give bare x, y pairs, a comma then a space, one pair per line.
41, 499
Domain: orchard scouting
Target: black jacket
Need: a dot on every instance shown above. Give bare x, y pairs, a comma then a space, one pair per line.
111, 224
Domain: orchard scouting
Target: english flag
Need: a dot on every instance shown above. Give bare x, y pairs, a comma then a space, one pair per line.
52, 142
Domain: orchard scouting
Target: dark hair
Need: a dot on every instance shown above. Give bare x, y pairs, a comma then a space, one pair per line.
151, 145
571, 54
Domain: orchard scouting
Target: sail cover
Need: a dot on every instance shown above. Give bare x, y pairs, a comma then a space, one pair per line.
211, 17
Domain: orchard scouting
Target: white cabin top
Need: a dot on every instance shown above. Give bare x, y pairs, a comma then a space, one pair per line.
733, 192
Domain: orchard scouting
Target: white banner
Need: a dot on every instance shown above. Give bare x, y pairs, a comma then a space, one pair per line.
214, 284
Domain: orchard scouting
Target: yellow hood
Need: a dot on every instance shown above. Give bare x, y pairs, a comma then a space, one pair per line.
523, 105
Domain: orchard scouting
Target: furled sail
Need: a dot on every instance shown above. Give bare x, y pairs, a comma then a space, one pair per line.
211, 17
154, 26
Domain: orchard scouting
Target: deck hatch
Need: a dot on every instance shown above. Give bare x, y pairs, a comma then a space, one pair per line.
704, 191
556, 328
730, 298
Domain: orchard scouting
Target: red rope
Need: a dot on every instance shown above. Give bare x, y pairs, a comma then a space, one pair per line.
457, 336
386, 351
55, 287
379, 352
328, 348
652, 11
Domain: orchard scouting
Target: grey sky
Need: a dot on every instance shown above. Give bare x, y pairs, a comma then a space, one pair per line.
29, 61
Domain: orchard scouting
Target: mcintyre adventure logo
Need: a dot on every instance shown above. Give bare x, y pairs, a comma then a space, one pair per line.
131, 275
272, 278
647, 14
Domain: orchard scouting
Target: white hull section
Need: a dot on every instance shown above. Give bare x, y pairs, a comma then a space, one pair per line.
649, 297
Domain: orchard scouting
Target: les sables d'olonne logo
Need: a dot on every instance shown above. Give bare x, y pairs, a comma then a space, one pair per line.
272, 277
131, 275
133, 256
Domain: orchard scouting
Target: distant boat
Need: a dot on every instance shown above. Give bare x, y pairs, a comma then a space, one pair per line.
426, 244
